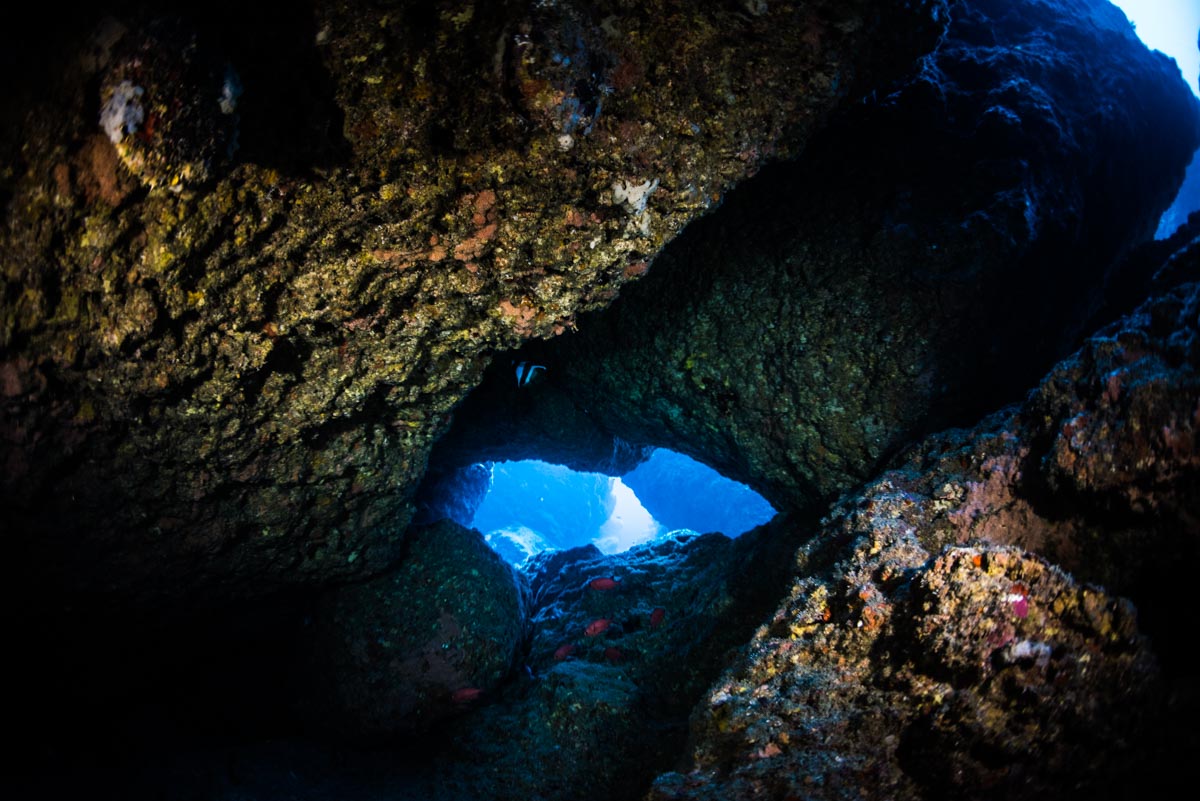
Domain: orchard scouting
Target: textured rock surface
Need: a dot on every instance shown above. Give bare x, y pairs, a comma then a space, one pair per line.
984, 673
922, 653
234, 387
604, 712
216, 393
929, 257
419, 643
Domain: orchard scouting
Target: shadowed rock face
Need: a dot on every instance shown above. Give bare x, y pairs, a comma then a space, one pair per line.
417, 644
225, 374
922, 654
929, 257
611, 668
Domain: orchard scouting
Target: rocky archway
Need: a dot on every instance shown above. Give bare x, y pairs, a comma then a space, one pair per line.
226, 395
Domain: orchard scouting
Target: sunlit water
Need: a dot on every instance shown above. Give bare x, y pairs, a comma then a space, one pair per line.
533, 505
1172, 27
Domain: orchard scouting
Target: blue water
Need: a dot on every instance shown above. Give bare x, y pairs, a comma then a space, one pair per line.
1172, 26
533, 505
1169, 26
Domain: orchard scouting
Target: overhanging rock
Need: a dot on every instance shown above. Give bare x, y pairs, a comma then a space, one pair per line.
225, 375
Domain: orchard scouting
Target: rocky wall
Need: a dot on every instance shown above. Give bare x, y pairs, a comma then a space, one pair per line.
933, 253
934, 644
252, 259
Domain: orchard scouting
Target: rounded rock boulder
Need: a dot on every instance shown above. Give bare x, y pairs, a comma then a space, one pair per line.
429, 639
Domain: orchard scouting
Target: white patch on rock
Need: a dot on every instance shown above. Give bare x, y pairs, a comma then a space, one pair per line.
123, 112
633, 197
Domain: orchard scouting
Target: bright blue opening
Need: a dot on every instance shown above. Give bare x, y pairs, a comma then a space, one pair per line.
1171, 26
532, 506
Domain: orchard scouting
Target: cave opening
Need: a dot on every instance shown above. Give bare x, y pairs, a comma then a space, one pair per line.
531, 505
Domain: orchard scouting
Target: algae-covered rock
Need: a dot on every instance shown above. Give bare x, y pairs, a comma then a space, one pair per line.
982, 673
419, 643
931, 647
927, 260
223, 375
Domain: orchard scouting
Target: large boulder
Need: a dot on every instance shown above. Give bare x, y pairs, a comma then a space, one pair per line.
223, 370
933, 252
420, 643
930, 646
982, 673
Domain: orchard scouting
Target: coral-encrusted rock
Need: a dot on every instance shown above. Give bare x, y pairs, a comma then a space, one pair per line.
417, 644
927, 260
983, 673
922, 653
1040, 685
231, 389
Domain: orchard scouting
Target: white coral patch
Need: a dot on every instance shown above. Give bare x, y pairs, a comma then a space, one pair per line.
123, 112
633, 196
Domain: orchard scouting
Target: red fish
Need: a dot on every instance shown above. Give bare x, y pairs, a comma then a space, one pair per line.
563, 652
656, 617
597, 627
466, 695
603, 583
614, 655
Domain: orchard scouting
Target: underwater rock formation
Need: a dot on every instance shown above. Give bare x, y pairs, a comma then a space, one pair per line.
983, 673
229, 389
620, 647
929, 646
221, 381
412, 646
933, 252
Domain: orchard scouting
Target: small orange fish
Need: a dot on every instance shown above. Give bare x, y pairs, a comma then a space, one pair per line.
466, 695
656, 617
603, 583
597, 627
563, 652
614, 655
